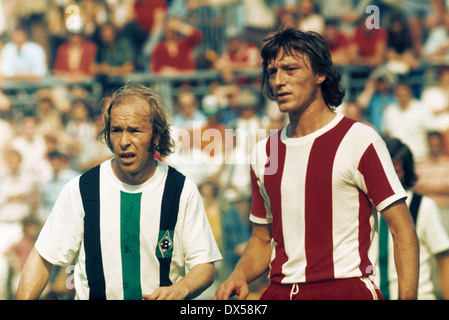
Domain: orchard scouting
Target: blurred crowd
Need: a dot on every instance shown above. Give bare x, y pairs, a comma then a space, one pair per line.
53, 139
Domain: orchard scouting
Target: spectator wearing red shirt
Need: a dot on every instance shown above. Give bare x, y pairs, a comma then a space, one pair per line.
149, 15
368, 45
337, 41
174, 54
240, 55
75, 59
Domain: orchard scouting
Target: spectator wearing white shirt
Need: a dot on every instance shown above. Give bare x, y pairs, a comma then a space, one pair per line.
16, 202
22, 59
30, 143
409, 121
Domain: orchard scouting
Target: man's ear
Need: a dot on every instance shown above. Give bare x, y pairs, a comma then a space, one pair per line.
154, 144
320, 79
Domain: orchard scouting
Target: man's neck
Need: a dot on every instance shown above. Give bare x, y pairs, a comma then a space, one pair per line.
135, 178
304, 123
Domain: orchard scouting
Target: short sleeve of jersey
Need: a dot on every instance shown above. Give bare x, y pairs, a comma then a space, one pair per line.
61, 235
199, 244
260, 209
376, 175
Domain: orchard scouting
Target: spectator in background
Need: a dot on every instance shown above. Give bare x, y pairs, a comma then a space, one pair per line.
7, 130
347, 12
17, 197
80, 130
23, 60
377, 94
61, 174
214, 144
433, 173
436, 45
93, 15
229, 231
30, 143
146, 26
309, 19
368, 45
210, 109
224, 95
436, 100
260, 19
337, 41
240, 55
187, 122
433, 238
115, 56
246, 127
401, 56
75, 59
409, 121
19, 251
189, 115
175, 53
94, 152
49, 118
422, 16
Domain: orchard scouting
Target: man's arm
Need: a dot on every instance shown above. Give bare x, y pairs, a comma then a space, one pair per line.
34, 278
193, 284
443, 268
406, 248
253, 263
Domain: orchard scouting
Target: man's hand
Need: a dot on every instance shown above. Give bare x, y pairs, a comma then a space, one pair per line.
193, 284
234, 285
252, 264
174, 292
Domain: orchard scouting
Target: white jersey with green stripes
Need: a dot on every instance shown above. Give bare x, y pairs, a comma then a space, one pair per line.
130, 240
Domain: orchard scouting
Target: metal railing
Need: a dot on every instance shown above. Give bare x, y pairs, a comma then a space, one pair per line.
21, 94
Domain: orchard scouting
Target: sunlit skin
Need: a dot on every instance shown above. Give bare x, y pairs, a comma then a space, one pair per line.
297, 90
131, 138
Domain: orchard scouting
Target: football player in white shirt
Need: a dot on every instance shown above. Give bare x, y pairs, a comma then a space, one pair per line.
132, 225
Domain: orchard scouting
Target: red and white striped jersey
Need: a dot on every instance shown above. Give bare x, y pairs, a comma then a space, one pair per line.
320, 192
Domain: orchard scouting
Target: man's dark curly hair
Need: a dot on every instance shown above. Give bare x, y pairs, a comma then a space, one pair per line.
293, 43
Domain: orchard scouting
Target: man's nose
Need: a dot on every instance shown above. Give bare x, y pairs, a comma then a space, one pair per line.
278, 79
124, 140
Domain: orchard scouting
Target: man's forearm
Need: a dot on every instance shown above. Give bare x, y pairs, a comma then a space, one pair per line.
406, 248
255, 259
198, 279
407, 266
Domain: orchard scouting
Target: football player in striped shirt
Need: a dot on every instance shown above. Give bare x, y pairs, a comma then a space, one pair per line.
132, 225
317, 184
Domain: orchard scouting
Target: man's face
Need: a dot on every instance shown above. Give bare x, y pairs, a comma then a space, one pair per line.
403, 95
293, 82
19, 38
399, 169
131, 138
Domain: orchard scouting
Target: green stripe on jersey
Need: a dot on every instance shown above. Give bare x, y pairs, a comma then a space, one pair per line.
130, 244
383, 259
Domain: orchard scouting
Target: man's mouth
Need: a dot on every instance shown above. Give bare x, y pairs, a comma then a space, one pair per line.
282, 96
127, 156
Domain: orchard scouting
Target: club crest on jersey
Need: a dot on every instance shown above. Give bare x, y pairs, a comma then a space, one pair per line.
165, 244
